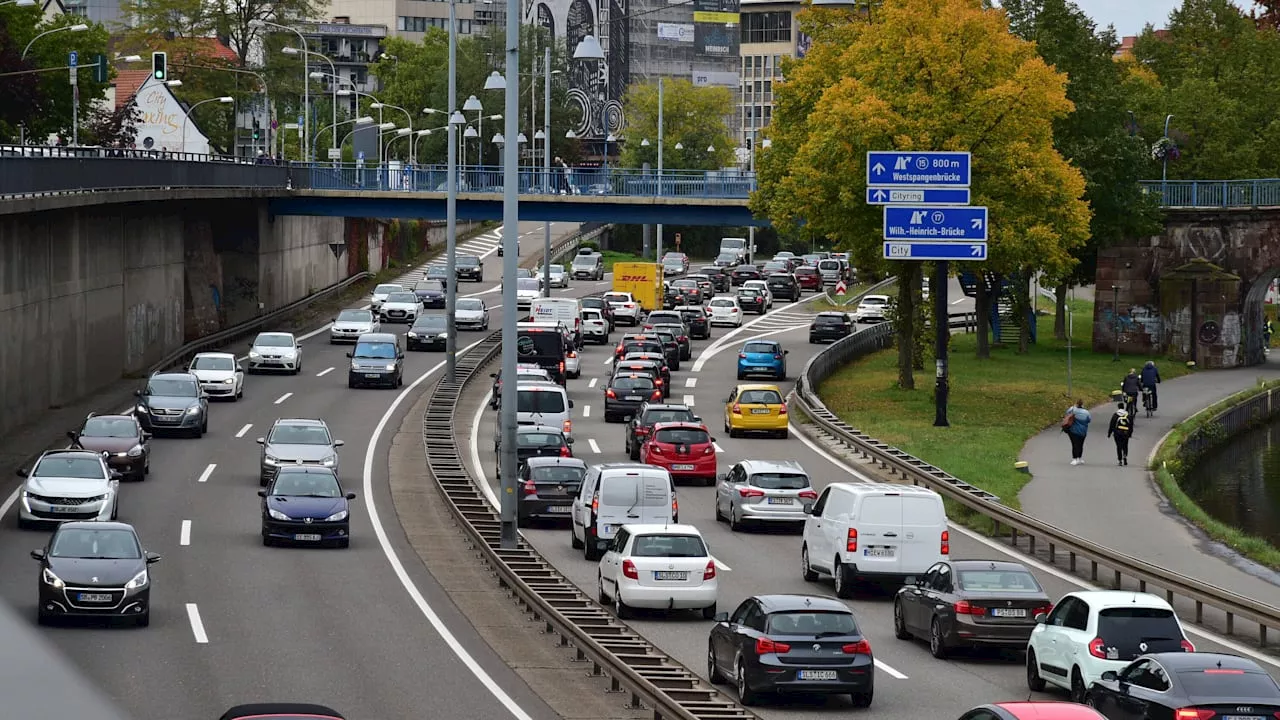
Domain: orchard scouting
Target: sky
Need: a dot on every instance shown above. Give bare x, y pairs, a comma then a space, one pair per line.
1130, 16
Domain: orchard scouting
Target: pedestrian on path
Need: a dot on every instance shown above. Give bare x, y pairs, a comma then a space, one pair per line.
1120, 430
1076, 425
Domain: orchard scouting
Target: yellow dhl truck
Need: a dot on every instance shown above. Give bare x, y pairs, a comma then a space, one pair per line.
642, 280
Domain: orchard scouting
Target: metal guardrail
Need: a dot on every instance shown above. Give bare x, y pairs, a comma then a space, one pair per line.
43, 175
1215, 193
653, 679
564, 247
1231, 605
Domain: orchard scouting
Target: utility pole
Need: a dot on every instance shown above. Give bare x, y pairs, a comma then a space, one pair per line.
942, 337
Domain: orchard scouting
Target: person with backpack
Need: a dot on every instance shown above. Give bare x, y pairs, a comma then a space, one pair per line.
1076, 425
1121, 430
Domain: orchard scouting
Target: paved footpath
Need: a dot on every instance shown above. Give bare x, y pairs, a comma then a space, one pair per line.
1120, 507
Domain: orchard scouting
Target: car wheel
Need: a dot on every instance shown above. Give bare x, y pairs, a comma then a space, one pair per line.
735, 522
1078, 690
806, 570
143, 620
43, 618
844, 580
709, 612
784, 433
619, 607
591, 551
714, 676
746, 695
937, 644
862, 699
574, 542
899, 622
240, 393
267, 541
1034, 682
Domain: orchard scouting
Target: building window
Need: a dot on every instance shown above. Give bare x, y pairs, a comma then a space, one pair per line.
420, 24
766, 27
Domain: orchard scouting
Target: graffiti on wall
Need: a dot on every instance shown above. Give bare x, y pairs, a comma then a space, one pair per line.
1139, 321
1199, 242
151, 329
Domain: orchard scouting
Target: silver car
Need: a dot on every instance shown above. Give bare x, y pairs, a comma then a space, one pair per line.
67, 485
351, 324
173, 401
297, 441
381, 292
764, 491
275, 351
559, 278
471, 313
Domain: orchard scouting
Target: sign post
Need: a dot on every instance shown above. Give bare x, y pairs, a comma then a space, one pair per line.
73, 61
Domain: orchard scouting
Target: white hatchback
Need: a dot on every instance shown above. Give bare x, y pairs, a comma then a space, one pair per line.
624, 307
725, 311
871, 309
659, 567
219, 374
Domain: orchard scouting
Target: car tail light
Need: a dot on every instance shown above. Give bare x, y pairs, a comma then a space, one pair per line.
736, 409
862, 647
530, 488
764, 646
1046, 609
709, 450
629, 306
658, 381
568, 426
749, 492
1196, 714
642, 431
807, 495
964, 608
657, 395
782, 409
561, 367
571, 354
946, 542
655, 448
1097, 648
851, 541
1187, 646
710, 572
742, 356
566, 452
629, 570
675, 510
610, 394
595, 503
777, 356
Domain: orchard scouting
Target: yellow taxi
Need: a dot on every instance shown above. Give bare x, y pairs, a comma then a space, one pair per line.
755, 408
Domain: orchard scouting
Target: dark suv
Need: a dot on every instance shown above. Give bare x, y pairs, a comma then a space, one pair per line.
469, 267
719, 277
783, 284
651, 414
743, 273
547, 488
376, 360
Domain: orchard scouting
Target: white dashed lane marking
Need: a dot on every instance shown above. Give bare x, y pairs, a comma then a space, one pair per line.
204, 476
244, 430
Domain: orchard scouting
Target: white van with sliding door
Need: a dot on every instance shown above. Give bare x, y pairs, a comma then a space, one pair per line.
617, 494
544, 403
873, 532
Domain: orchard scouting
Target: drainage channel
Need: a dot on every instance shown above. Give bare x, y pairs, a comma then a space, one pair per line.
633, 664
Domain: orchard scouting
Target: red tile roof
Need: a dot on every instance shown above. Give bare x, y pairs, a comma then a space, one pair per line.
127, 83
213, 48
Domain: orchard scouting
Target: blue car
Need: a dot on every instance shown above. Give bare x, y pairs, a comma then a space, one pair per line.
430, 292
306, 505
762, 357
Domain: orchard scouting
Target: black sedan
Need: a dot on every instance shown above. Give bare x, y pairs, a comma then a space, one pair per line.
430, 292
752, 299
281, 711
536, 441
695, 318
428, 332
718, 275
626, 393
547, 488
94, 569
969, 603
782, 644
1187, 685
681, 334
743, 273
689, 290
659, 361
306, 505
830, 326
469, 267
651, 414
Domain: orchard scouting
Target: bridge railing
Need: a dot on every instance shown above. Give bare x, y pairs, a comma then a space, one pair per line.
1215, 193
23, 175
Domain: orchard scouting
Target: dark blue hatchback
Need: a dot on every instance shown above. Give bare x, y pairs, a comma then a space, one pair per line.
430, 292
306, 505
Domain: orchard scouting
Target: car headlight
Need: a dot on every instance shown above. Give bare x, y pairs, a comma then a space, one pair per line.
391, 366
135, 451
229, 381
330, 461
413, 334
254, 354
289, 352
271, 460
443, 335
355, 365
138, 581
340, 515
193, 410
141, 408
277, 514
52, 580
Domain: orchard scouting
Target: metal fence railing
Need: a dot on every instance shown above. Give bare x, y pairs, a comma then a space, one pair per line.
1215, 193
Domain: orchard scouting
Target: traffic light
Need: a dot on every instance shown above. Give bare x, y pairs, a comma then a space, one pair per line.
101, 71
159, 65
257, 129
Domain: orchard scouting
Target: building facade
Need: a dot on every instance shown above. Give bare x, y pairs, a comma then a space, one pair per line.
410, 19
769, 33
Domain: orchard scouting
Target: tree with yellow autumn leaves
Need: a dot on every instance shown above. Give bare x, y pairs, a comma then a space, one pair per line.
924, 75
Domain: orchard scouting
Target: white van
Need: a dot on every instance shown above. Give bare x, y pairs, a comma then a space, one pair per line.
873, 531
617, 494
561, 310
543, 403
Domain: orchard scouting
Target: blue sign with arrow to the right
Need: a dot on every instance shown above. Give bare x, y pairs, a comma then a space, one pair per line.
957, 224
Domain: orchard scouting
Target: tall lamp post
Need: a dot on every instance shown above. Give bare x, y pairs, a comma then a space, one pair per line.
1115, 317
451, 205
658, 254
65, 28
187, 116
305, 53
589, 49
1164, 170
306, 74
546, 163
511, 260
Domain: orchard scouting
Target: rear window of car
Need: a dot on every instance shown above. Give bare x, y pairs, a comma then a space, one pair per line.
1131, 631
653, 417
759, 348
828, 264
653, 347
761, 397
682, 546
811, 623
558, 474
539, 439
633, 383
998, 581
1228, 683
806, 271
830, 320
533, 344
683, 436
616, 297
779, 481
539, 401
661, 317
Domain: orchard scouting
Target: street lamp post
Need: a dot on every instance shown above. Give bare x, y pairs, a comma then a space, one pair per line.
589, 49
288, 50
68, 28
658, 254
306, 75
511, 259
187, 116
546, 164
366, 120
266, 91
451, 206
1164, 170
1115, 317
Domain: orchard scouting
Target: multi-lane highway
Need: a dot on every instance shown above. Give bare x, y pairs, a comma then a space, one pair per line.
365, 630
911, 682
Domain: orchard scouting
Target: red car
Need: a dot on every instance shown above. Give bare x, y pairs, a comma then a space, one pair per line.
1033, 711
808, 278
685, 449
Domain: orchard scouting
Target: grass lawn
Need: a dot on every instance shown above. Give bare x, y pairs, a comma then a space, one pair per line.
995, 406
820, 302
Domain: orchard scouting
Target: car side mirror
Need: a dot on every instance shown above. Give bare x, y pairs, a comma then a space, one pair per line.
137, 393
1041, 618
721, 617
146, 436
152, 558
570, 403
721, 477
697, 418
72, 434
339, 443
1110, 676
38, 555
115, 475
351, 496
350, 354
569, 440
22, 472
261, 441
786, 352
262, 493
493, 375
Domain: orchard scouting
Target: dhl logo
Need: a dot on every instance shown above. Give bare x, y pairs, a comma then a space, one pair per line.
635, 278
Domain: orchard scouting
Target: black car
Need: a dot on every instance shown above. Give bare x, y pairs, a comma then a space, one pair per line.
830, 326
719, 277
376, 361
469, 267
705, 286
430, 292
306, 504
784, 285
547, 488
439, 273
281, 711
743, 273
536, 441
696, 320
752, 299
1186, 685
427, 333
651, 414
121, 437
670, 347
781, 644
626, 393
659, 361
671, 297
599, 303
94, 569
638, 343
681, 334
689, 290
652, 368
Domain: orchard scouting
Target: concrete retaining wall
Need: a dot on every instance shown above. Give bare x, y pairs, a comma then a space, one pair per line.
294, 258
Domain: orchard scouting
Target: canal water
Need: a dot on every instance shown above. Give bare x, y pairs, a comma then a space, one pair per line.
1239, 482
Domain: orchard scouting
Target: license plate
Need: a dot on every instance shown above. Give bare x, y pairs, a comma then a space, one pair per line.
1241, 717
559, 508
671, 575
1008, 612
681, 467
371, 376
165, 419
779, 501
94, 597
817, 674
64, 508
759, 411
608, 529
878, 552
633, 397
307, 537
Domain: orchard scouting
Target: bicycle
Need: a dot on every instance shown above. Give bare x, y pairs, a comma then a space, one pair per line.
1131, 405
1146, 402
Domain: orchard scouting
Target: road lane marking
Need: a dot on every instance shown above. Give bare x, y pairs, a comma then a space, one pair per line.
9, 501
586, 409
197, 625
720, 345
888, 670
592, 383
688, 400
393, 558
184, 536
594, 447
957, 302
204, 476
324, 372
608, 360
475, 451
691, 382
283, 397
244, 430
717, 447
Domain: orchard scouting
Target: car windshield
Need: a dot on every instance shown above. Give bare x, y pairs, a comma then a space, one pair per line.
779, 481
89, 544
681, 546
467, 260
529, 400
355, 316
539, 439
1215, 683
760, 397
811, 623
435, 270
683, 436
527, 284
429, 286
387, 289
402, 297
633, 383
306, 484
429, 322
299, 435
172, 387
113, 427
375, 350
213, 363
82, 468
830, 320
726, 257
585, 261
760, 347
653, 417
557, 474
470, 304
274, 340
998, 581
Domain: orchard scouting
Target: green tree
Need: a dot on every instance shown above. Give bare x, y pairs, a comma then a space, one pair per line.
923, 74
693, 117
39, 104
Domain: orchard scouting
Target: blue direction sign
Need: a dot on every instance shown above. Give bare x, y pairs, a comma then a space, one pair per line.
956, 224
73, 58
919, 169
917, 196
972, 252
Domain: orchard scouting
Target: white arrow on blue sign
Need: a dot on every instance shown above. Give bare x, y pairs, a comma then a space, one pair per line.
73, 58
917, 196
973, 252
937, 224
919, 169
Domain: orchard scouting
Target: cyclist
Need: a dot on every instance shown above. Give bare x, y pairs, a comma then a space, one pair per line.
1131, 386
1150, 378
1267, 331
